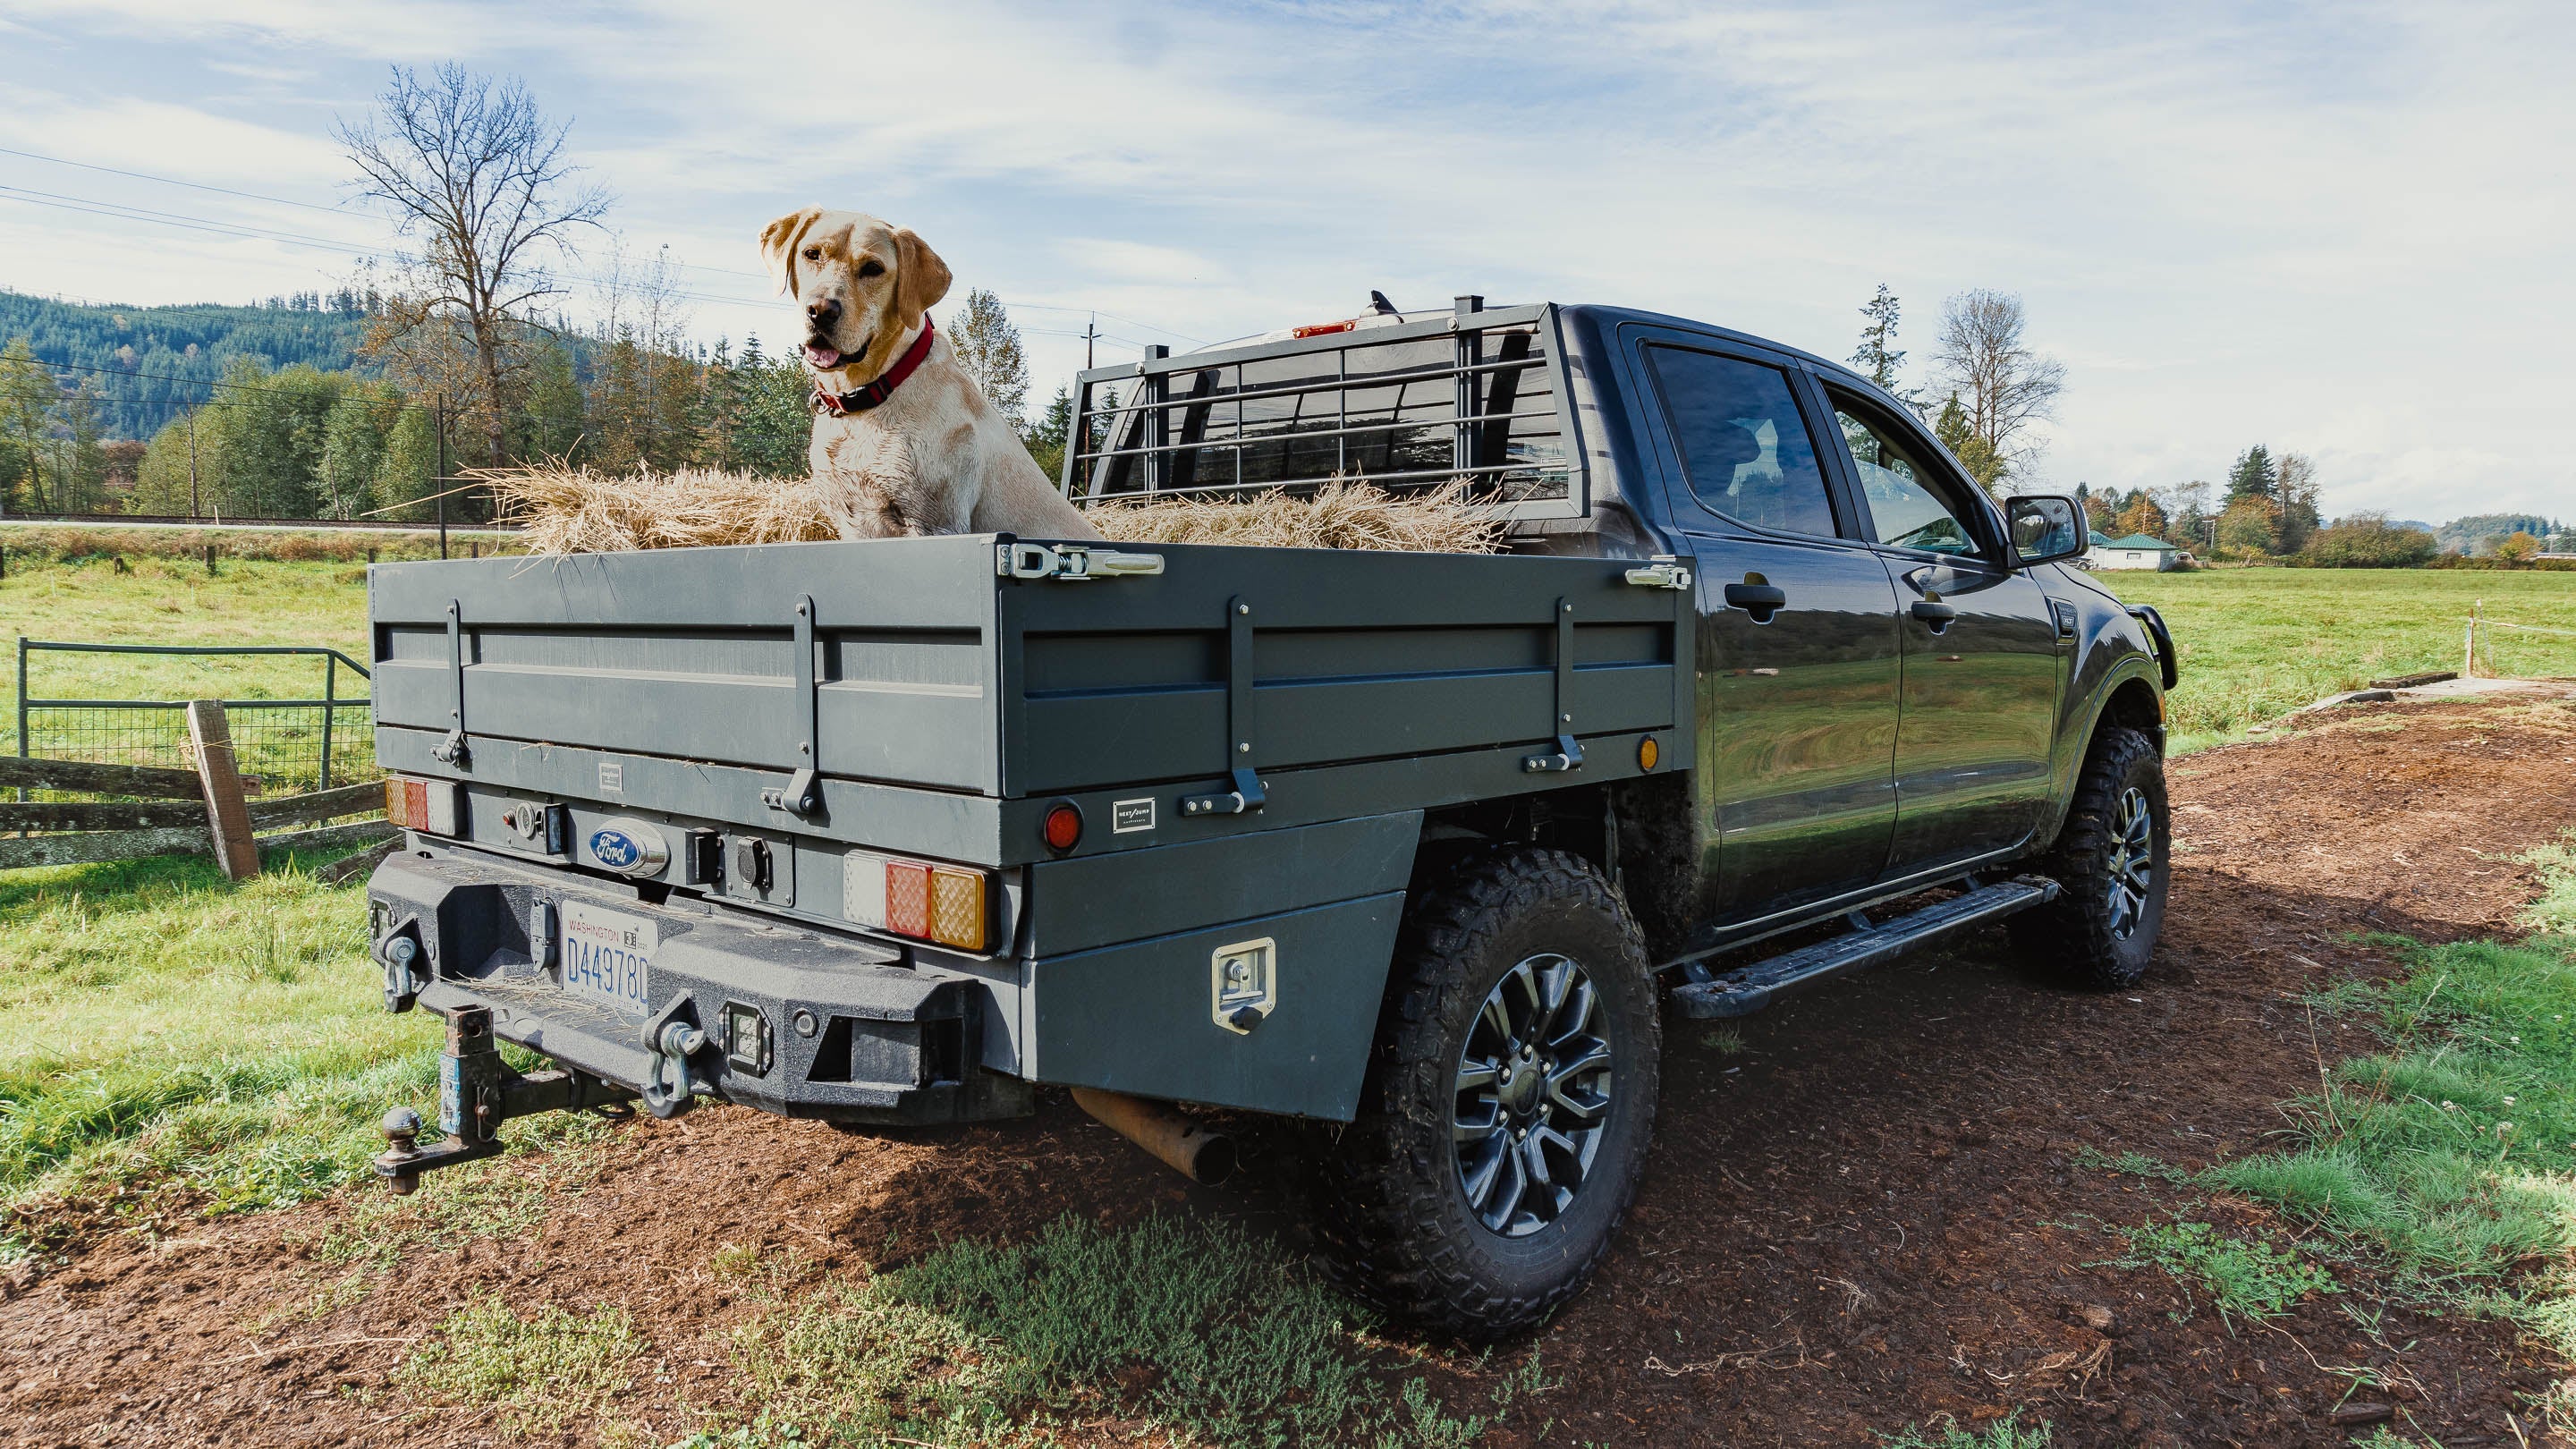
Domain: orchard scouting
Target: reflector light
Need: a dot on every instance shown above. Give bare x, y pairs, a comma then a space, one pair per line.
1063, 827
429, 805
942, 903
1320, 329
957, 908
1648, 752
907, 898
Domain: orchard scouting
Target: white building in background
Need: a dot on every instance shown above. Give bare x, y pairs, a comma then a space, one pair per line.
2137, 551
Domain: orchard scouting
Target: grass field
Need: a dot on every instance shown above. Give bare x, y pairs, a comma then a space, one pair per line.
172, 1045
2257, 643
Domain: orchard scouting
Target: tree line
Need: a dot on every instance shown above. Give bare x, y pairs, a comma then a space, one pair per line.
307, 442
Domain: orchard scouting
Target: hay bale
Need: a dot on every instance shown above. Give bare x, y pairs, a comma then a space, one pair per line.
577, 510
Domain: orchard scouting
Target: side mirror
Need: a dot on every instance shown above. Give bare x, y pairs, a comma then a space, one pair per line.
2046, 528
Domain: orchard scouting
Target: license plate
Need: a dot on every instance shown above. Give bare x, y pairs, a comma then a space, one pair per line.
607, 956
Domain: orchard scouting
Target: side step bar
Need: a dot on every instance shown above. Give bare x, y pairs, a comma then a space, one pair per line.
1747, 990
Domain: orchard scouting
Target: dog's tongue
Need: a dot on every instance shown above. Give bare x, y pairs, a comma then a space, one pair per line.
822, 357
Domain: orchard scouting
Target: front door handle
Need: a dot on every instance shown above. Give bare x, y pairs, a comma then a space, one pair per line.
1934, 613
1756, 598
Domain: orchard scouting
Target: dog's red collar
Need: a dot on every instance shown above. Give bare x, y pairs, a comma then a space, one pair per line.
859, 400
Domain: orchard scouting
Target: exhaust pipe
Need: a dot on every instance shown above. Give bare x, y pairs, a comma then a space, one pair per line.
1183, 1143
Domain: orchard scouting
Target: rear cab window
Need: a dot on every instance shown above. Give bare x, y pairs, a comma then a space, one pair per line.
1743, 441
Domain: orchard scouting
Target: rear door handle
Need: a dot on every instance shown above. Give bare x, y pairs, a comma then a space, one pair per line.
1934, 612
1752, 597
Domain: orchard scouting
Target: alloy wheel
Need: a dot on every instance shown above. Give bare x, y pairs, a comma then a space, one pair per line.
2132, 864
1533, 1096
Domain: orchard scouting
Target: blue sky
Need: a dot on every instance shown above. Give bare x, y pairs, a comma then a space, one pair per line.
2339, 229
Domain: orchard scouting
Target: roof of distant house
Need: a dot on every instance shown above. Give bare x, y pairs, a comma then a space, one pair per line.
2135, 540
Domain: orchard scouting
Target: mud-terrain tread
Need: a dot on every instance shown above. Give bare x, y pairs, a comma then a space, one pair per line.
2069, 939
1377, 1183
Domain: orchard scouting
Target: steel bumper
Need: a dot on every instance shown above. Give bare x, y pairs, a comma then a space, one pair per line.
782, 1018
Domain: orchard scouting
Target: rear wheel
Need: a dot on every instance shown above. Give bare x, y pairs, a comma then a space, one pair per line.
1510, 1098
2113, 860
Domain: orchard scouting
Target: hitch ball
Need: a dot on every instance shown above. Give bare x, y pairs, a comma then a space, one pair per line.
402, 1137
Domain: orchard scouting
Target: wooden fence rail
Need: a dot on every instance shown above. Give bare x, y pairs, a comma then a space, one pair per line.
178, 812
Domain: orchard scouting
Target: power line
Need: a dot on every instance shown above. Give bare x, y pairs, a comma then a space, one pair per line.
169, 181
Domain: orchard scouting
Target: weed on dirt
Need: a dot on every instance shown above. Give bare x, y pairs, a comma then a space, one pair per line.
2004, 1433
2244, 1279
538, 1371
1197, 1329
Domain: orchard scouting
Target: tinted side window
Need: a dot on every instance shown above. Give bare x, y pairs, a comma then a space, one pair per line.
1743, 443
1906, 508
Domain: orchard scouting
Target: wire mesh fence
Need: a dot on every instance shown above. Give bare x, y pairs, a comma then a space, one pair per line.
280, 746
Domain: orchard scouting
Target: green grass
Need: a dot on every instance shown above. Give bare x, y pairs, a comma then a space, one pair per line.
1199, 1328
170, 1040
541, 1370
2257, 643
2449, 1154
2245, 1279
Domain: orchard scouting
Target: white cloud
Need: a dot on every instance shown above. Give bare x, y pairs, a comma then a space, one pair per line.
2316, 225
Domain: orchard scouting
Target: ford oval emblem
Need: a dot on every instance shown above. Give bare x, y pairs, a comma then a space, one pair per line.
629, 847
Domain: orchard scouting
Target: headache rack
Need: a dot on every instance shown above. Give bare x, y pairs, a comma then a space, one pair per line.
1469, 395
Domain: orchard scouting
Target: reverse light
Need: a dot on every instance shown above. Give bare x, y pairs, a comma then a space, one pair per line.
944, 903
424, 805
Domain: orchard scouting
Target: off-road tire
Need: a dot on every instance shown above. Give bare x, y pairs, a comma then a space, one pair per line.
1392, 1208
2077, 938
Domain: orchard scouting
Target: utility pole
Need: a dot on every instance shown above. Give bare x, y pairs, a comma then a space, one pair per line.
1090, 334
196, 507
440, 482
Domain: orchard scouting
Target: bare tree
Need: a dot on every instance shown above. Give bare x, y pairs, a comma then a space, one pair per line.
2002, 387
473, 169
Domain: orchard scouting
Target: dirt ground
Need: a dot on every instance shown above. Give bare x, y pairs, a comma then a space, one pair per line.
1871, 1214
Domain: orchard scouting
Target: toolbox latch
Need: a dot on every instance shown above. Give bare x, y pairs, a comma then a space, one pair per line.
1070, 561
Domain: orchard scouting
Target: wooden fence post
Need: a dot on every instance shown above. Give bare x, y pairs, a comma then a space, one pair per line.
227, 813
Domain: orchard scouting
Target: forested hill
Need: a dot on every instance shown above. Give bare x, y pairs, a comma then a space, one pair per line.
182, 342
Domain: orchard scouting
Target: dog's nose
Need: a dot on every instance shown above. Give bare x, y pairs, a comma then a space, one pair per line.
823, 313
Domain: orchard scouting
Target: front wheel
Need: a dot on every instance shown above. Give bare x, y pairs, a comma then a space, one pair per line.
1510, 1099
2113, 860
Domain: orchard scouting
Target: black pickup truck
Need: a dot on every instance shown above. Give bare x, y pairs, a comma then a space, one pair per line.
1419, 848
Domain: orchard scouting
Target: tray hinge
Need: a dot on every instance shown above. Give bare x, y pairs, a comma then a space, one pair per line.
1247, 793
803, 794
453, 749
1569, 754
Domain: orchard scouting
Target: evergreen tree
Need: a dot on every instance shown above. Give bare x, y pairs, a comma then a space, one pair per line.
1046, 439
620, 424
2253, 476
554, 405
1975, 454
1878, 359
772, 423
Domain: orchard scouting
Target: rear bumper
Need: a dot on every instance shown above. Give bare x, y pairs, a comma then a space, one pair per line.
798, 1022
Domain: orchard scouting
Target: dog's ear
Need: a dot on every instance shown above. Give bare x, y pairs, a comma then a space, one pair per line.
920, 277
778, 244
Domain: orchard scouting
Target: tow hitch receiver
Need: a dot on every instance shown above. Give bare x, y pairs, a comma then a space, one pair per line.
477, 1092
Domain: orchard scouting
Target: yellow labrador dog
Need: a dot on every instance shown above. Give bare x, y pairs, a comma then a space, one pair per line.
904, 441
